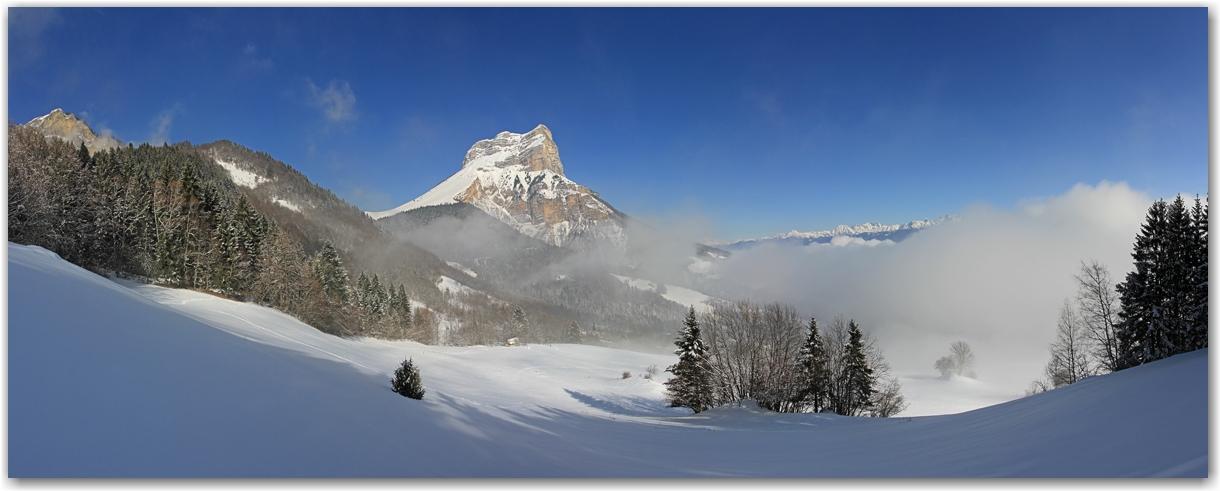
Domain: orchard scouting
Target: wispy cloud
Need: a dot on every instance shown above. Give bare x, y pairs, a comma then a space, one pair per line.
26, 27
162, 124
366, 199
337, 101
251, 60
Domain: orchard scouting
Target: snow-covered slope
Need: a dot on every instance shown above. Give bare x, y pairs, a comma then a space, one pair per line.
679, 295
518, 179
110, 379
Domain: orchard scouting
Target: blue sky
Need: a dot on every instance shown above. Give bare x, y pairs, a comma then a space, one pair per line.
759, 120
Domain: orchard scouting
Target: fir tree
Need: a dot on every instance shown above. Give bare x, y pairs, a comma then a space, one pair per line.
573, 334
406, 380
1163, 301
1198, 278
691, 384
859, 382
331, 273
815, 373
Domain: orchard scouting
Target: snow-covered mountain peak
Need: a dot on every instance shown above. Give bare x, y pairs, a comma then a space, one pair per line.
535, 150
518, 178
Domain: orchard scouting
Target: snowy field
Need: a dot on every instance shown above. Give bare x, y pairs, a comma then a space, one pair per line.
117, 379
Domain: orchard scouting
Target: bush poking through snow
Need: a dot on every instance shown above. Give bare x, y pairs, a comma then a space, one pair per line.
626, 375
406, 380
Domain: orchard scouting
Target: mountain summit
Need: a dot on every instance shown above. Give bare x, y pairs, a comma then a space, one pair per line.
535, 151
518, 179
65, 126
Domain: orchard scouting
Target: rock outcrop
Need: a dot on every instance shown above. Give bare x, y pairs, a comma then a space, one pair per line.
65, 126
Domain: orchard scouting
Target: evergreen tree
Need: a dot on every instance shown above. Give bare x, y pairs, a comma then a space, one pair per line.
573, 334
1198, 277
518, 327
406, 380
82, 154
815, 372
331, 273
859, 382
691, 384
1163, 300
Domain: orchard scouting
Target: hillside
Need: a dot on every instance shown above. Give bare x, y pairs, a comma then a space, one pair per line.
126, 380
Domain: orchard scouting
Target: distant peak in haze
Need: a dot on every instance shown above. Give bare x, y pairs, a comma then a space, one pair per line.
535, 151
868, 229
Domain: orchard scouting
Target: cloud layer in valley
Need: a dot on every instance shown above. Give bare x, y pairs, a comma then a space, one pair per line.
994, 278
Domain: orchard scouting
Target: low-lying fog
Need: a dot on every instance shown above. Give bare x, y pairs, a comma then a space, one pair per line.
994, 278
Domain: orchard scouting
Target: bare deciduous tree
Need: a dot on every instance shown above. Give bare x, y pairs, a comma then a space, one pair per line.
1069, 353
1098, 304
963, 358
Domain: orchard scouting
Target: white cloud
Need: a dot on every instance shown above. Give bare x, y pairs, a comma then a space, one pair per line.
162, 124
994, 278
336, 101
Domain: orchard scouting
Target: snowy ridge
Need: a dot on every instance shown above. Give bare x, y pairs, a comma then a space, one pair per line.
269, 396
841, 231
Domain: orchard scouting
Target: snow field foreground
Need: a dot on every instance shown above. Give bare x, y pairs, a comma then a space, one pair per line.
126, 380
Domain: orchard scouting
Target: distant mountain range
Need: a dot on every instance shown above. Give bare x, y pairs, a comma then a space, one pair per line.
864, 231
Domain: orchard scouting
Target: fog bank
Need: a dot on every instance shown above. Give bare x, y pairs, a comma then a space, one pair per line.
994, 278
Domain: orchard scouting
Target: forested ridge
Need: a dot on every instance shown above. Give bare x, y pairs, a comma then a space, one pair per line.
169, 215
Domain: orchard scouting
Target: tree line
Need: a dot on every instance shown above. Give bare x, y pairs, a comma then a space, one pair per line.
1159, 310
765, 353
167, 214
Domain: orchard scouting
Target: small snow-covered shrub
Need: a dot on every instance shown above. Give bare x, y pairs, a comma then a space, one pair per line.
626, 375
406, 380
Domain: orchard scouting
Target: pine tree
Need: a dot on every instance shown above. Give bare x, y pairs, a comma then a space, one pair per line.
518, 327
406, 380
815, 372
1163, 301
859, 382
331, 273
573, 334
1198, 278
691, 384
1141, 333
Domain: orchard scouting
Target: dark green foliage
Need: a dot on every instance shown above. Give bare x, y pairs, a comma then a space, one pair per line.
691, 384
406, 380
1164, 300
814, 371
859, 384
171, 215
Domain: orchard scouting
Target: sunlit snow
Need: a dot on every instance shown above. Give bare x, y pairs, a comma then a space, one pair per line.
121, 379
242, 177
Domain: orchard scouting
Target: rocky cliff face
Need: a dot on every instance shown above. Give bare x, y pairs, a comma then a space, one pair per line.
65, 126
518, 178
